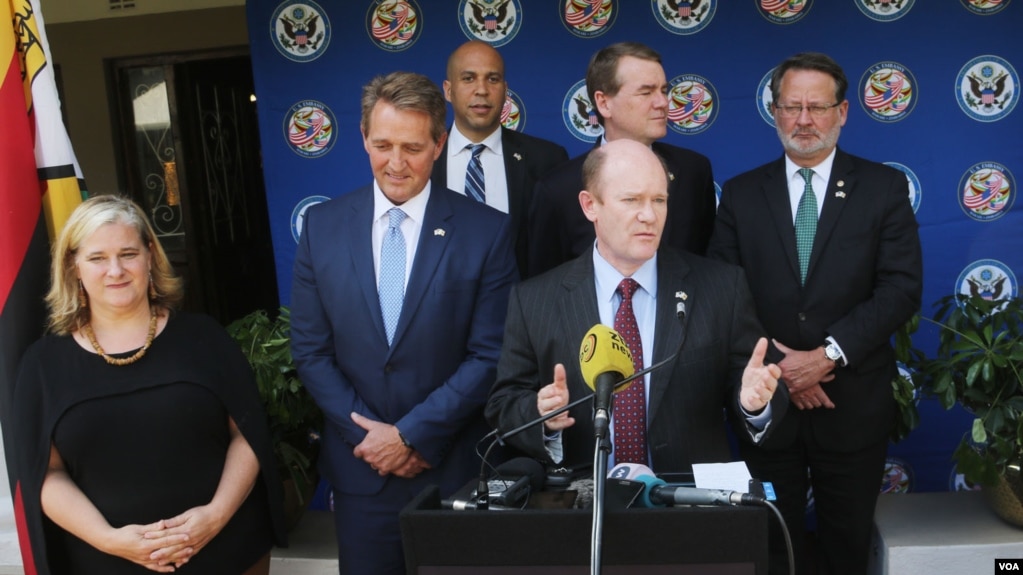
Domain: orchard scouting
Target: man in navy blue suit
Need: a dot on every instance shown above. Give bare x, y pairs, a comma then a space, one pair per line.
401, 373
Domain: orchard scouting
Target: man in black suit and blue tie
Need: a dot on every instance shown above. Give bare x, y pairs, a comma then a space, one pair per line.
508, 163
397, 307
829, 243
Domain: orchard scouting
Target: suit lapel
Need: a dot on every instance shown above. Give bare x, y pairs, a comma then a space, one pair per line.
515, 175
842, 183
776, 196
439, 176
429, 252
359, 230
578, 305
671, 273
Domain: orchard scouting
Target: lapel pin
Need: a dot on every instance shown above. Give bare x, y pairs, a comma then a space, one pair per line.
840, 183
517, 156
439, 232
682, 295
839, 194
671, 176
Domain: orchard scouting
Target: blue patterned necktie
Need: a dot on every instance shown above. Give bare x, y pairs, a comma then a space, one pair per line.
475, 185
806, 223
630, 404
391, 288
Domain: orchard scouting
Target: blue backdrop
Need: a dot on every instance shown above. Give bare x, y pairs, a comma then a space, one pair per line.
933, 87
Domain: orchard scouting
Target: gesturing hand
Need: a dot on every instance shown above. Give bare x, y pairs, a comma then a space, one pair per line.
552, 397
758, 380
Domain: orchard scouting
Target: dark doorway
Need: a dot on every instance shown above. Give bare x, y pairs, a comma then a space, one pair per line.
191, 159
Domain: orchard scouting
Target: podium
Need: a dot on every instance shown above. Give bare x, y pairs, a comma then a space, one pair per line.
679, 541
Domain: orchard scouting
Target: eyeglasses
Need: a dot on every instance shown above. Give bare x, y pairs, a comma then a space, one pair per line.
816, 110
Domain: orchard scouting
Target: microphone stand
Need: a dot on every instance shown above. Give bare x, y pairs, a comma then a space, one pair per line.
601, 451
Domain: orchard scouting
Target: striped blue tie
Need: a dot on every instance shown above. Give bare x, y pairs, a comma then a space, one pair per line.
391, 288
806, 223
475, 185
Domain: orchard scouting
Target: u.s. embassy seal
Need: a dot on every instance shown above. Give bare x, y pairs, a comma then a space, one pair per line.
987, 191
300, 30
394, 25
987, 88
298, 214
309, 128
884, 10
684, 17
989, 279
580, 114
915, 191
495, 22
985, 7
588, 18
765, 100
783, 11
692, 104
888, 92
513, 112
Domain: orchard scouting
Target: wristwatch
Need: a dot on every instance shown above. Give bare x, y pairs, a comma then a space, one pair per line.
832, 352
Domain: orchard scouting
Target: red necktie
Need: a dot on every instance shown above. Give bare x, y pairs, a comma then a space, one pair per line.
630, 404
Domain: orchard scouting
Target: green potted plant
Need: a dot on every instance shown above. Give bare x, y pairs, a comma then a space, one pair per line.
294, 417
979, 364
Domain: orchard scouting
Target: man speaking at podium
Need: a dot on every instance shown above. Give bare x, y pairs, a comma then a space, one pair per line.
657, 299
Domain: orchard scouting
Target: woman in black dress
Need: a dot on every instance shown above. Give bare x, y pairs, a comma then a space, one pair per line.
143, 445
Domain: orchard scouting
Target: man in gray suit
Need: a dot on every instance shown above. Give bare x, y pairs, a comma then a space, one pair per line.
721, 360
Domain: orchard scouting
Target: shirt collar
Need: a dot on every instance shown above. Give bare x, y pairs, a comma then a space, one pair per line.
415, 208
822, 169
607, 277
457, 142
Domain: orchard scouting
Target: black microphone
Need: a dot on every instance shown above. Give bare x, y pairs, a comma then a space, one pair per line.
511, 483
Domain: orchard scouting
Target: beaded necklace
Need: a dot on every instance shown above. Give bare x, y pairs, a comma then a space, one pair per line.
87, 328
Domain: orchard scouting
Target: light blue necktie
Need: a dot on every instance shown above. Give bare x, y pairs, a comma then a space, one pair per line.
391, 288
806, 223
475, 185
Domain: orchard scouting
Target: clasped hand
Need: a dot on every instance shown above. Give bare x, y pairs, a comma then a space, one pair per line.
384, 451
168, 544
803, 373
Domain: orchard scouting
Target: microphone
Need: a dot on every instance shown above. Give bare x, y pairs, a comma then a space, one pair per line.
511, 483
658, 493
605, 360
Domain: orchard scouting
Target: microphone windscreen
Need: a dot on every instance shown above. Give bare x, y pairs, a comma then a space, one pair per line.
629, 471
602, 351
649, 481
524, 467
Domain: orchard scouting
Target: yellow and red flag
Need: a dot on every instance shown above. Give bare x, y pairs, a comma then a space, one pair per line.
39, 187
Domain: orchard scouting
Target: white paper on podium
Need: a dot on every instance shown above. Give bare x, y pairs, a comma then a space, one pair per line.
732, 476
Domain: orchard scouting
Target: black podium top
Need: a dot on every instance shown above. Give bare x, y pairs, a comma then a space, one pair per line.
682, 540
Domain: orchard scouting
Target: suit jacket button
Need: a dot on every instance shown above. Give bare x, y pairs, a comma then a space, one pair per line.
388, 368
802, 316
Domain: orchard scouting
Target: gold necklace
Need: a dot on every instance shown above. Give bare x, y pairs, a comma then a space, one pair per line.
87, 328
